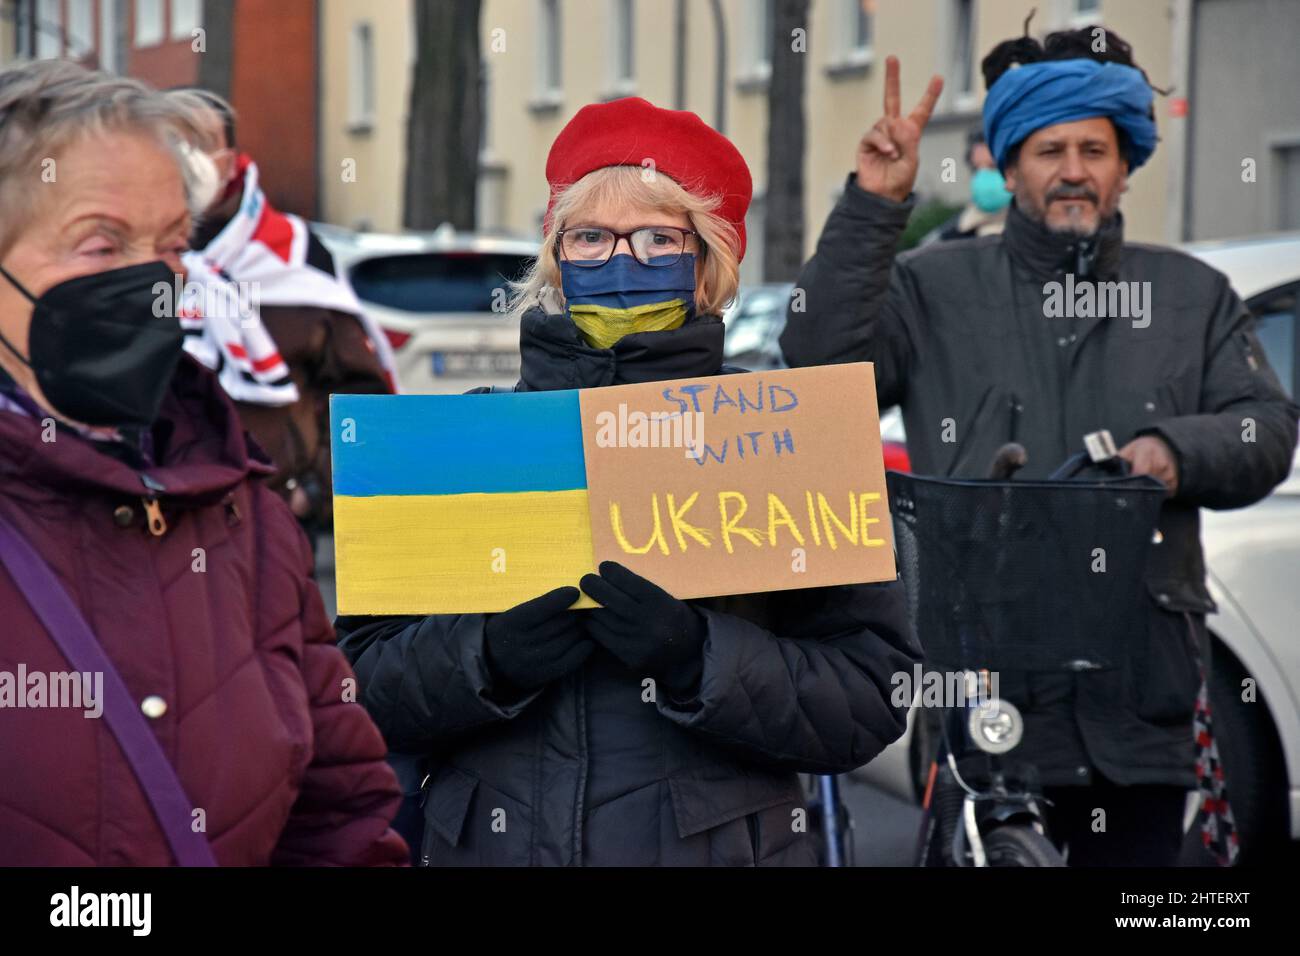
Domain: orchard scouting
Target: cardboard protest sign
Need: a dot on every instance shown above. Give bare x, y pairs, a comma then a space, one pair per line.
759, 482
717, 485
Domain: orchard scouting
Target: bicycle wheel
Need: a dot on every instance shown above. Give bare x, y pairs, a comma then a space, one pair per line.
1016, 845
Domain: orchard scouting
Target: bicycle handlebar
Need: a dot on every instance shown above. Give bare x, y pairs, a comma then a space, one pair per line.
1012, 456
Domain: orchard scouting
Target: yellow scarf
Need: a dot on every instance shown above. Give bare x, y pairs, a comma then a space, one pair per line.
602, 326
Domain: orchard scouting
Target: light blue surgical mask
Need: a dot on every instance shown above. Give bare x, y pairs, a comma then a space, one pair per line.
988, 190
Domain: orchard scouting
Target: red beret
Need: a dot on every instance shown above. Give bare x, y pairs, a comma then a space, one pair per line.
627, 132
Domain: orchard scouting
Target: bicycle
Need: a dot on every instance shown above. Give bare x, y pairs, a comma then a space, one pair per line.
1003, 574
833, 822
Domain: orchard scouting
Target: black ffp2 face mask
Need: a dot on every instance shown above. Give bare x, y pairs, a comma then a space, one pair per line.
101, 355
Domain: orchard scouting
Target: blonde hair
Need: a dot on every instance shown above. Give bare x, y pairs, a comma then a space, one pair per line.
717, 267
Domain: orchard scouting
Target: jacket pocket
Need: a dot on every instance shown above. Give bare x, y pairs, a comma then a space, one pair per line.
716, 799
446, 806
1181, 595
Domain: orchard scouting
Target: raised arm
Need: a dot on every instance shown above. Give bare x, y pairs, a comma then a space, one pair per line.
847, 308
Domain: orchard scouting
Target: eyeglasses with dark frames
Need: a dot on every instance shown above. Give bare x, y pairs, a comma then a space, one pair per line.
593, 246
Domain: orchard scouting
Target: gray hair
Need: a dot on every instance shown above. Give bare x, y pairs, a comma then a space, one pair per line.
46, 105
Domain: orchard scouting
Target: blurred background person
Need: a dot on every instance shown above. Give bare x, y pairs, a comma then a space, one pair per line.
223, 329
986, 212
321, 332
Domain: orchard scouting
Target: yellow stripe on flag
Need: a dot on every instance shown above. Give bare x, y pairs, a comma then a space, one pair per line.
437, 554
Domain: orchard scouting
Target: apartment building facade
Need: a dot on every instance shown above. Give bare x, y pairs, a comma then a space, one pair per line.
545, 59
270, 47
323, 87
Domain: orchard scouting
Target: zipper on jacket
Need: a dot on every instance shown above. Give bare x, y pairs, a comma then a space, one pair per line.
157, 523
580, 801
153, 511
1250, 352
1015, 409
1085, 257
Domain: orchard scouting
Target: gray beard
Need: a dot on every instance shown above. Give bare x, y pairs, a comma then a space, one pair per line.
1067, 229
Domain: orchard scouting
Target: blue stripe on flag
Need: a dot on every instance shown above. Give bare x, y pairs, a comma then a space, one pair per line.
453, 444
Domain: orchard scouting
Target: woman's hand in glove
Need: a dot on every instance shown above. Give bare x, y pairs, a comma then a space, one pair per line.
645, 627
538, 641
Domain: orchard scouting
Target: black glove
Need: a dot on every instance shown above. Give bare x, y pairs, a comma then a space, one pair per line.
645, 627
536, 642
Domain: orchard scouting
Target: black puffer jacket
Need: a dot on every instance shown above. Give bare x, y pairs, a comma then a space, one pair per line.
585, 770
960, 340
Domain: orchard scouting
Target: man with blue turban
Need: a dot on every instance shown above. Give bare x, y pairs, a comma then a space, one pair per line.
1053, 330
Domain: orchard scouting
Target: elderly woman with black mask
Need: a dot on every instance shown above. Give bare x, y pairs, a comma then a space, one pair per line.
147, 577
540, 745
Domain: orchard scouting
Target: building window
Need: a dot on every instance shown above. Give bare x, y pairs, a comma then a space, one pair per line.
961, 78
108, 27
24, 17
550, 48
361, 73
485, 109
148, 22
1083, 12
755, 62
49, 29
81, 28
766, 20
491, 206
851, 47
412, 38
860, 25
622, 45
187, 16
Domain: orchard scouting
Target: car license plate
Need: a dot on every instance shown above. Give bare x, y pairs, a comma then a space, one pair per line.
446, 364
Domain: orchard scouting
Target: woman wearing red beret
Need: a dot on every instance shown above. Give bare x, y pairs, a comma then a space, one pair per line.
542, 746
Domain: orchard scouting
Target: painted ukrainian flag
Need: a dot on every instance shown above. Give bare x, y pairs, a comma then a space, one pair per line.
487, 510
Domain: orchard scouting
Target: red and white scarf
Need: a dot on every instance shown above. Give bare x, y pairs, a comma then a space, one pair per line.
225, 333
267, 249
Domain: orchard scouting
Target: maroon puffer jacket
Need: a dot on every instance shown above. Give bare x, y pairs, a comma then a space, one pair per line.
233, 639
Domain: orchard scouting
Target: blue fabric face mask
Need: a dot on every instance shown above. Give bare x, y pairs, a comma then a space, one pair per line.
625, 296
988, 190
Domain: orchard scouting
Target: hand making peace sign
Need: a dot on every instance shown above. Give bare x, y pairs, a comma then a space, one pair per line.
887, 153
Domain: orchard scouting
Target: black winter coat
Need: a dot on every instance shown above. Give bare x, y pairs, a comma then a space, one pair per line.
958, 333
585, 770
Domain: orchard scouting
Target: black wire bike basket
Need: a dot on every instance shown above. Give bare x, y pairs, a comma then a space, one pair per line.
1025, 575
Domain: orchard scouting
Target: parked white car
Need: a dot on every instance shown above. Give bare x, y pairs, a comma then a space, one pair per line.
439, 297
1253, 559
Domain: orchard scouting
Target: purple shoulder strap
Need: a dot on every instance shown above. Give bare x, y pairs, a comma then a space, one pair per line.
72, 634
